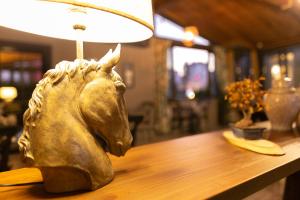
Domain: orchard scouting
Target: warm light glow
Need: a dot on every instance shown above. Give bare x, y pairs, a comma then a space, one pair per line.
290, 56
189, 36
105, 21
190, 33
8, 93
190, 94
165, 28
276, 72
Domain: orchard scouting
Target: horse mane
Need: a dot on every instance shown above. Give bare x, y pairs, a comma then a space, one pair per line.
51, 77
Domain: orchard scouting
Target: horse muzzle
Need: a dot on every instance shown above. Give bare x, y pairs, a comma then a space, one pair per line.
119, 149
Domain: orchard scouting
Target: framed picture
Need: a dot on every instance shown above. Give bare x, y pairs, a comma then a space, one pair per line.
128, 75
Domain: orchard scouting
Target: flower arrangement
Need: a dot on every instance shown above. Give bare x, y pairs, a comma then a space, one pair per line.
246, 96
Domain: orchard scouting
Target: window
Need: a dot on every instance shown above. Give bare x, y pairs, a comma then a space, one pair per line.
189, 72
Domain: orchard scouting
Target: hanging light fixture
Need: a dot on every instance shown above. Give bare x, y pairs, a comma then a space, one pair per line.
190, 32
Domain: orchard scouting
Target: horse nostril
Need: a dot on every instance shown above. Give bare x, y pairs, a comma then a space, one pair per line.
120, 144
120, 148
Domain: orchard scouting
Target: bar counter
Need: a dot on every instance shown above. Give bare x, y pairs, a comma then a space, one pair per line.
201, 166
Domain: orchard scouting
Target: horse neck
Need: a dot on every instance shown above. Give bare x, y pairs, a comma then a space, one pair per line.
66, 95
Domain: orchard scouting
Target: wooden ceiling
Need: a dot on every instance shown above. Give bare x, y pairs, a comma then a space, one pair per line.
238, 23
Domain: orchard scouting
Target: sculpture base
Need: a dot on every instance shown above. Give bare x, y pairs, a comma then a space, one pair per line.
68, 179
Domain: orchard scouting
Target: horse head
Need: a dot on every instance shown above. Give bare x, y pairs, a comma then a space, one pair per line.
90, 96
103, 106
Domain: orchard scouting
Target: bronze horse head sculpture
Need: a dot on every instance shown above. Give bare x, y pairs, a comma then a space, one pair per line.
76, 111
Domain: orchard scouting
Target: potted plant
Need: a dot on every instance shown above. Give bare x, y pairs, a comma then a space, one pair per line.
246, 96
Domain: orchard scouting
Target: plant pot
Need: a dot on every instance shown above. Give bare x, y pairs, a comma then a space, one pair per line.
249, 133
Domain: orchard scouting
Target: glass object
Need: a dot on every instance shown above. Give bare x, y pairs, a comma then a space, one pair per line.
26, 78
16, 77
5, 76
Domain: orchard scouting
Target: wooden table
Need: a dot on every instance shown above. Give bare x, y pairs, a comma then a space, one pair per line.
195, 167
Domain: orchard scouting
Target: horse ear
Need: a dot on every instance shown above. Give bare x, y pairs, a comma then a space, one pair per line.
110, 59
105, 59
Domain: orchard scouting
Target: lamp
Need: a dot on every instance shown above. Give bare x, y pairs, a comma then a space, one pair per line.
77, 111
8, 93
108, 21
190, 32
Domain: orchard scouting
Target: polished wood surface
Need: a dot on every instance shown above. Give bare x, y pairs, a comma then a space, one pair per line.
195, 167
236, 23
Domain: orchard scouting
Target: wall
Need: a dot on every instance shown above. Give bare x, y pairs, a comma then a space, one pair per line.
142, 58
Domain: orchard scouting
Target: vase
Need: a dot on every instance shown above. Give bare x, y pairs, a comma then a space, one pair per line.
282, 105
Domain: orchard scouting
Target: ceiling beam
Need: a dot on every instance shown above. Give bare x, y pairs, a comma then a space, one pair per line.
282, 43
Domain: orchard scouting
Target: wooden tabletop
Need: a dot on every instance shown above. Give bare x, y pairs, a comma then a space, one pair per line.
194, 167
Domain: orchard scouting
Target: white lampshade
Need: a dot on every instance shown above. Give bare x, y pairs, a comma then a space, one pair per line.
108, 21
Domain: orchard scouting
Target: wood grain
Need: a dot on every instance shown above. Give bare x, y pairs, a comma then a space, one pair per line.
195, 167
235, 23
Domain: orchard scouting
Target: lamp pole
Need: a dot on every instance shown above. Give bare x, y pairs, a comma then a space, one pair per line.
79, 42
